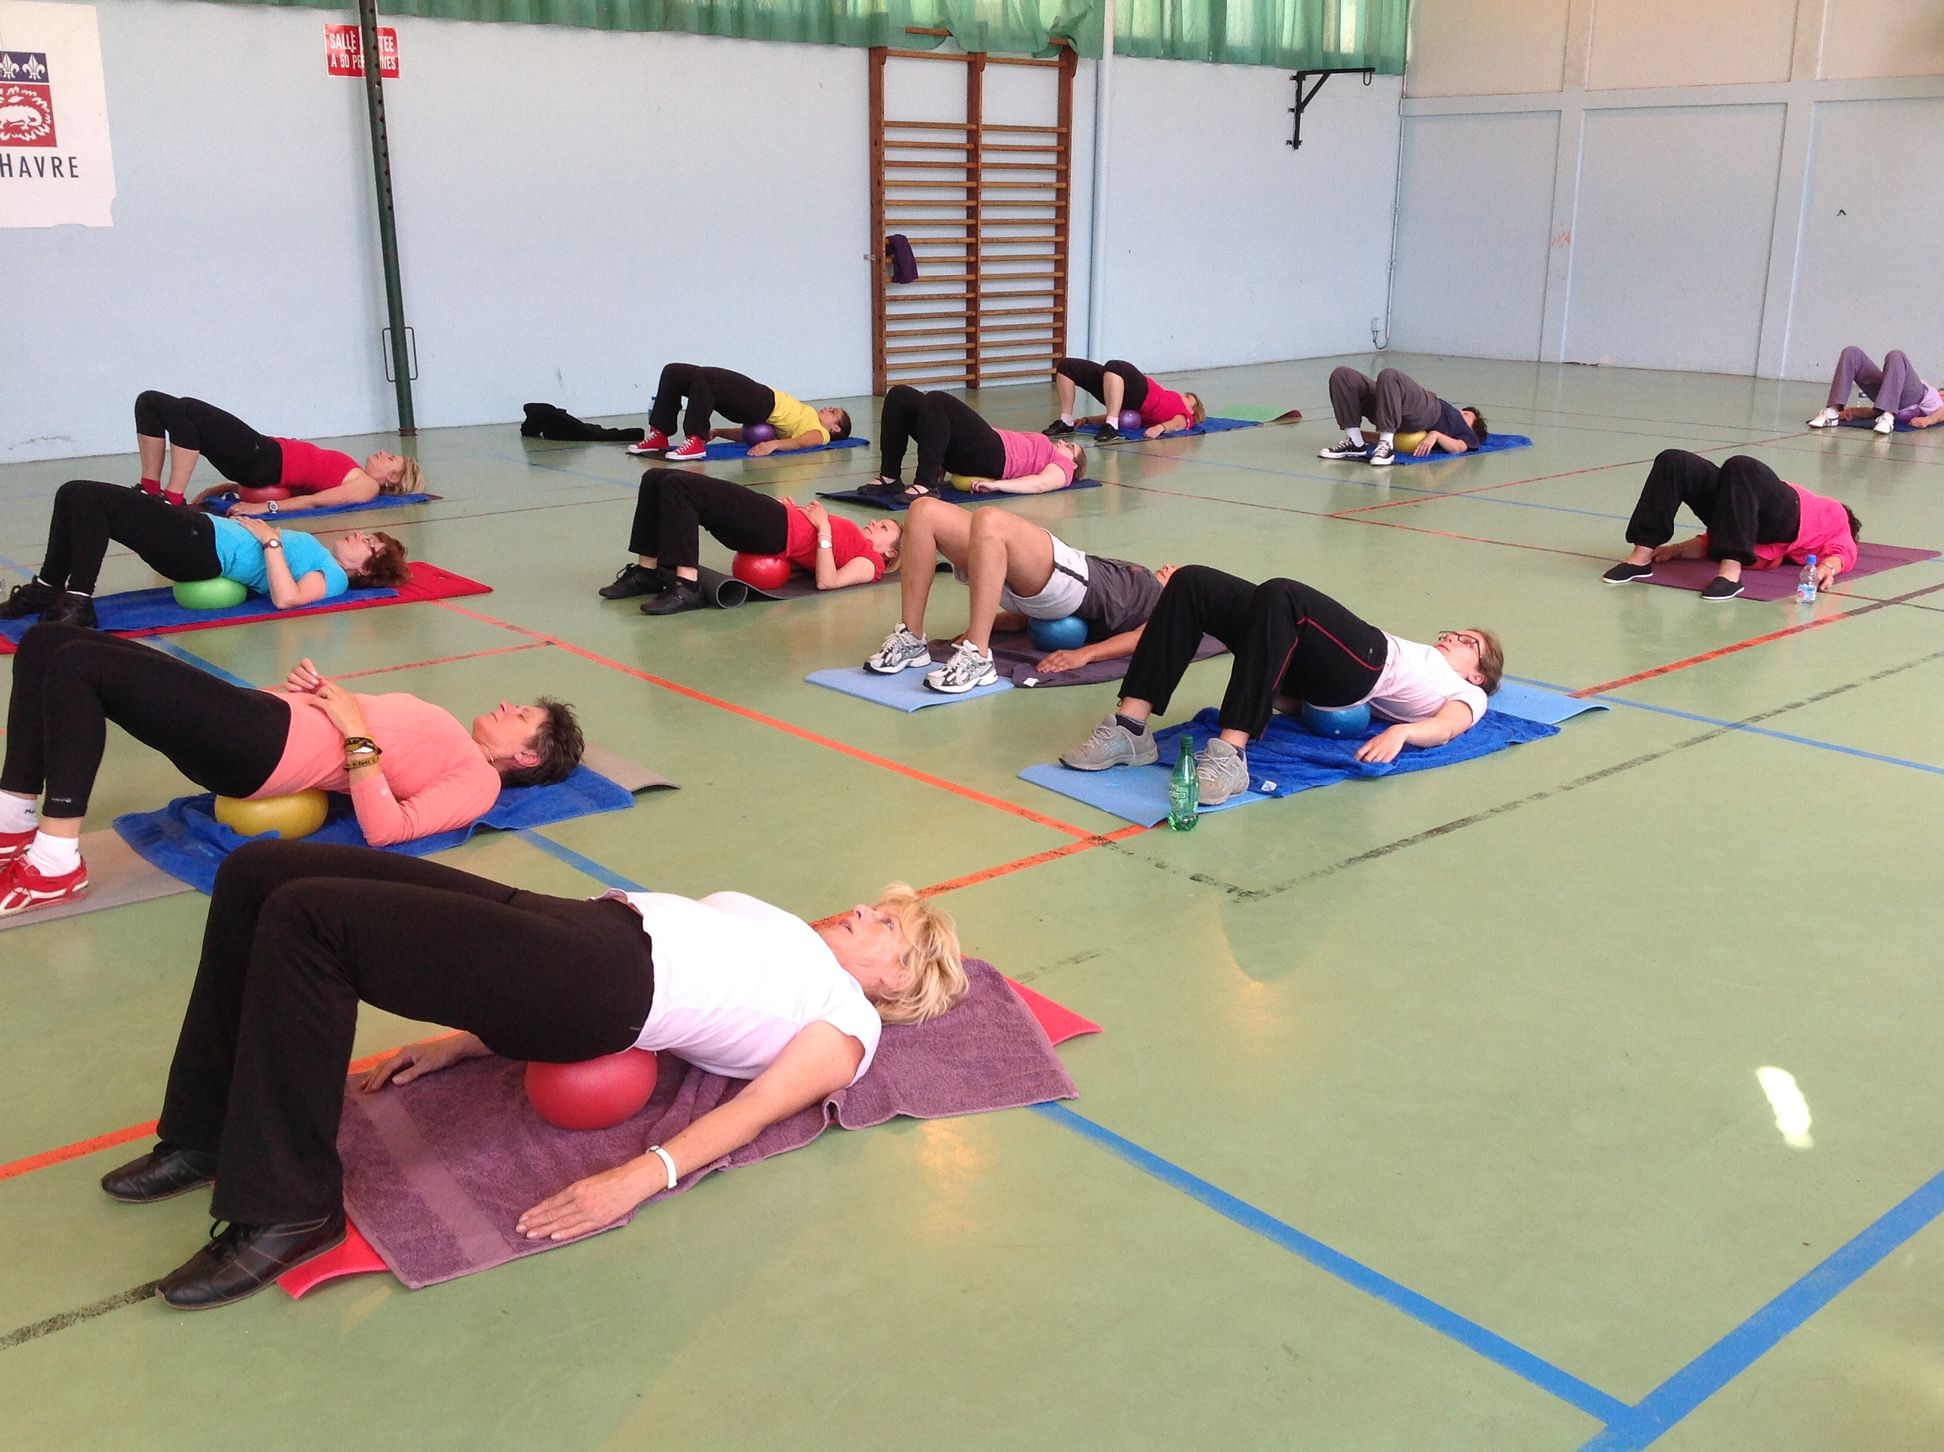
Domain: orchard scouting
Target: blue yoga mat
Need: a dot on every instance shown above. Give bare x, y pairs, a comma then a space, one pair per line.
906, 691
1286, 760
186, 841
157, 610
1495, 444
895, 502
1870, 423
722, 450
1209, 425
222, 503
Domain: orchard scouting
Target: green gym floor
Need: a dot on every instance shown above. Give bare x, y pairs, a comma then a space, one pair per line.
1427, 1113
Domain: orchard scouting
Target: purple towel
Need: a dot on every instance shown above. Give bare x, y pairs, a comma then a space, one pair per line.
1017, 659
902, 264
437, 1172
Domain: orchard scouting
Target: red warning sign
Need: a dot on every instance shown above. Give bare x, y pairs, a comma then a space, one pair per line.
344, 51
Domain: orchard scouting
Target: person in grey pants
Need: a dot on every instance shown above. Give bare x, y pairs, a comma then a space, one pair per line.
1396, 403
1897, 395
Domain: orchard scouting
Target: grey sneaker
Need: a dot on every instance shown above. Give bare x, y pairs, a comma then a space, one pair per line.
1222, 771
900, 652
1382, 454
1343, 449
968, 667
1112, 744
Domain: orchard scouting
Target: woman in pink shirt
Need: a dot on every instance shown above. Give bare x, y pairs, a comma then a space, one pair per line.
1754, 519
1121, 386
186, 429
409, 768
951, 438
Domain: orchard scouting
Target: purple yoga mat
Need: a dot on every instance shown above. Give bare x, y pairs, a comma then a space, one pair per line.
1017, 659
437, 1172
1780, 583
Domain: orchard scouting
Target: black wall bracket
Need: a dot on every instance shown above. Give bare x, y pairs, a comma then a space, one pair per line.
1303, 99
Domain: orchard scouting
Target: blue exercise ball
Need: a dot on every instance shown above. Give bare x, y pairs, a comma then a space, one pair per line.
1338, 724
757, 433
1130, 421
1069, 632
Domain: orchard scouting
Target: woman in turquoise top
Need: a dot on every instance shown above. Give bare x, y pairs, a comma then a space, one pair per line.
185, 544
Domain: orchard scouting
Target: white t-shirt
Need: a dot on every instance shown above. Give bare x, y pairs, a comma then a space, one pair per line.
736, 979
1416, 682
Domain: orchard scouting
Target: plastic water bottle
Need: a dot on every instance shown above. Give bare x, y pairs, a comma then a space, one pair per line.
1184, 790
1806, 583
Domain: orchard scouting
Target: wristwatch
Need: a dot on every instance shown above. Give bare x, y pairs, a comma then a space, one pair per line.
823, 541
273, 544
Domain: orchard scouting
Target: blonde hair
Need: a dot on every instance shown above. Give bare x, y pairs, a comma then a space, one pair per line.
896, 559
410, 477
1491, 660
936, 965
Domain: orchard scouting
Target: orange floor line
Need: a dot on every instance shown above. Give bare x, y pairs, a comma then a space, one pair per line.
441, 660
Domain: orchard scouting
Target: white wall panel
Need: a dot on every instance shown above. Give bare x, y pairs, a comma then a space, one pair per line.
1463, 48
1682, 43
1883, 38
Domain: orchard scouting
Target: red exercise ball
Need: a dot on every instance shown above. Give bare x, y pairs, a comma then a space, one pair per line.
763, 572
264, 495
595, 1093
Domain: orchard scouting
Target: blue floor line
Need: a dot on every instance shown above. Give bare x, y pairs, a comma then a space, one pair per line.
1516, 1359
169, 647
606, 876
563, 469
1741, 1348
1788, 736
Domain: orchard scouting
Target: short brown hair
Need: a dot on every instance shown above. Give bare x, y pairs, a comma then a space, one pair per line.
387, 566
1491, 660
1197, 410
843, 428
1478, 423
558, 743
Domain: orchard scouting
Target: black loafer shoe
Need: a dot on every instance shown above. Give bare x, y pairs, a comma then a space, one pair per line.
682, 595
28, 599
70, 609
1108, 434
1624, 573
883, 484
243, 1259
1721, 588
633, 580
1058, 429
161, 1174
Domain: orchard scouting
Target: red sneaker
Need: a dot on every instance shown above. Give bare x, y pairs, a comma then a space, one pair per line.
14, 844
150, 486
652, 442
169, 496
692, 448
24, 887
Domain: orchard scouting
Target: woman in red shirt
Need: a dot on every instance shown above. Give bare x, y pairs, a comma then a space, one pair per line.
1120, 386
187, 429
675, 506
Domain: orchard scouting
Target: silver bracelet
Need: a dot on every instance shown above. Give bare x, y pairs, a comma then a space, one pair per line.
667, 1159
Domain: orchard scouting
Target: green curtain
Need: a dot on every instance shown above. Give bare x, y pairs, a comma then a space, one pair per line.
1292, 33
1012, 27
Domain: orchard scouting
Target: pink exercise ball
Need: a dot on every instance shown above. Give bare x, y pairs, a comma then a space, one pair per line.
1130, 421
264, 495
594, 1093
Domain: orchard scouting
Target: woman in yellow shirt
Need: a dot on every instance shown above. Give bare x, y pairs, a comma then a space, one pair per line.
743, 401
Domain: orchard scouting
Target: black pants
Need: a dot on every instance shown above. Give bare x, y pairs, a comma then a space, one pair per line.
709, 391
1742, 503
1287, 638
1392, 401
89, 515
951, 438
239, 452
676, 505
1093, 378
69, 683
299, 934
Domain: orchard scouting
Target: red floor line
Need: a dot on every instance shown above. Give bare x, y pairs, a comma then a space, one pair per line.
845, 748
441, 660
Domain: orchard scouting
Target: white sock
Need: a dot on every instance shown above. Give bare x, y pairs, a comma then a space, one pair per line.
1386, 438
1355, 436
18, 814
1067, 419
1830, 413
917, 635
54, 856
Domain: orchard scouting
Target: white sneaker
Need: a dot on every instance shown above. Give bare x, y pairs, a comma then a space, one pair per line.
968, 668
1886, 423
1343, 448
1827, 419
692, 448
1383, 455
900, 652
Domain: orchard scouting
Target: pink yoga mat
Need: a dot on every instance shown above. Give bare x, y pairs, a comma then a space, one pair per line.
1780, 583
419, 1159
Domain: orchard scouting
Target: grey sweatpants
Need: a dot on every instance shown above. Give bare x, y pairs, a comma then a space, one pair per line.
1392, 401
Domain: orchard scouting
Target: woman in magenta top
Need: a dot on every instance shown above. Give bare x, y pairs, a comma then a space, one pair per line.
675, 506
1121, 386
952, 439
187, 429
1754, 520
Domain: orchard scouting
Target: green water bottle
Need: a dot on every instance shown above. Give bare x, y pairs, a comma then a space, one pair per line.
1184, 790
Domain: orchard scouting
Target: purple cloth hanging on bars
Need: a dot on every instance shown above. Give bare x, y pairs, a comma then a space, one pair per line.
897, 251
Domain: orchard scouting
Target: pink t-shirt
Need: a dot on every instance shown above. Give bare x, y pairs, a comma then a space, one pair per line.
1162, 404
1027, 454
307, 469
431, 778
1824, 533
847, 543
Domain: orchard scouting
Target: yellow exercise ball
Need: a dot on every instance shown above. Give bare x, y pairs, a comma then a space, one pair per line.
1407, 442
964, 482
290, 817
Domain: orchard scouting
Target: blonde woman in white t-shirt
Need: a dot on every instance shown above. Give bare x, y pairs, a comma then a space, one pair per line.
299, 934
1292, 644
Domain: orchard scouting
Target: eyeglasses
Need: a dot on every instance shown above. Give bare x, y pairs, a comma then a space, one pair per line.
1463, 637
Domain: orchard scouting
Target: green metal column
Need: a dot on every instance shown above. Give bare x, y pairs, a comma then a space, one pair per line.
387, 222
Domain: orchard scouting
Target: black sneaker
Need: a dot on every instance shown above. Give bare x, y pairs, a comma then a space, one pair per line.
1058, 429
1108, 434
28, 599
680, 596
70, 609
1722, 588
1624, 573
632, 580
1343, 449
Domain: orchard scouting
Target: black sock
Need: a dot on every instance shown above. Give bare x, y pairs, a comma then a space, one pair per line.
1139, 728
